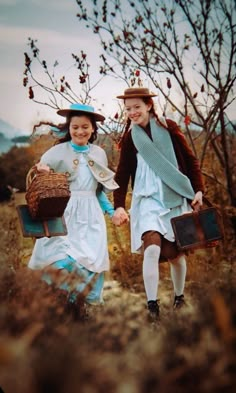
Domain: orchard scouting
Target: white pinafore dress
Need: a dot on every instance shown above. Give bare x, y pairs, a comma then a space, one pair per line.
148, 211
86, 241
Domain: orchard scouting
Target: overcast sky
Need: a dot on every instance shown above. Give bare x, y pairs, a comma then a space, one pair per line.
54, 24
59, 33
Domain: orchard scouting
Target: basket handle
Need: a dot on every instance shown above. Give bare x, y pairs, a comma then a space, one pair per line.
31, 176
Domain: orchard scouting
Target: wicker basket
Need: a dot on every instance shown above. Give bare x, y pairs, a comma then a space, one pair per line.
47, 194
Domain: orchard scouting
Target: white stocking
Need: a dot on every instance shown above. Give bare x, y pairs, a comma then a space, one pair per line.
178, 269
151, 271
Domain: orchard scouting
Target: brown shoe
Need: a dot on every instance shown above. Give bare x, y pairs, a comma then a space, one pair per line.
154, 310
179, 301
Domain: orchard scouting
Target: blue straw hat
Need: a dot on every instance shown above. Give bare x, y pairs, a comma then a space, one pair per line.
82, 109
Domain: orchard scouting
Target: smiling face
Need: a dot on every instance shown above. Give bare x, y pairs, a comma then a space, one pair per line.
138, 111
81, 129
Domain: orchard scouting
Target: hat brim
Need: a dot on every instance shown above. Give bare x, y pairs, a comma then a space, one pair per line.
67, 112
137, 96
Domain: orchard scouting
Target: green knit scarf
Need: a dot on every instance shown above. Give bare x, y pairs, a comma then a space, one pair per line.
159, 154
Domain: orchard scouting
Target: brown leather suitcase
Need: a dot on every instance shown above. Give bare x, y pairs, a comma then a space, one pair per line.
197, 229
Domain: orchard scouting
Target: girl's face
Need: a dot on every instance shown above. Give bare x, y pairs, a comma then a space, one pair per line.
80, 129
137, 111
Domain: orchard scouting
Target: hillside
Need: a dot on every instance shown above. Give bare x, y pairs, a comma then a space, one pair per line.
113, 348
5, 144
9, 136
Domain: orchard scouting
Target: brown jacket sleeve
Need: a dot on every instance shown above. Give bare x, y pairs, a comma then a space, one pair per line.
126, 170
188, 163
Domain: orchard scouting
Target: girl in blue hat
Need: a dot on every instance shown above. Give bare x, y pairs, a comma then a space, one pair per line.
83, 250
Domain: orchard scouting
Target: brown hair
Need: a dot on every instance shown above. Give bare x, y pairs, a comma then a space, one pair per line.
65, 127
146, 100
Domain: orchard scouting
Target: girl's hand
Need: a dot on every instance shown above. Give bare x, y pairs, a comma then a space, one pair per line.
42, 167
120, 216
197, 201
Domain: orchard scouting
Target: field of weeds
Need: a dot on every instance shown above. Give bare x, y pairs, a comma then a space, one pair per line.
46, 347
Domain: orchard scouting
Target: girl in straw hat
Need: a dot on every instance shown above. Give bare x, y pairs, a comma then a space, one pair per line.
166, 181
84, 250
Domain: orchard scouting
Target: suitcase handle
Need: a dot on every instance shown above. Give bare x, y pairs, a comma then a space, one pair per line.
207, 202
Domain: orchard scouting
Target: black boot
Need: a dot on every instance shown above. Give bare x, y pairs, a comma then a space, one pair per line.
154, 310
179, 301
75, 307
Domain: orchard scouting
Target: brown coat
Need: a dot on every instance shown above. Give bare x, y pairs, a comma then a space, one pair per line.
188, 163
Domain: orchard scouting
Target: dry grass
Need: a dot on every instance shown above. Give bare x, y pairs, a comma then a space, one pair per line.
45, 347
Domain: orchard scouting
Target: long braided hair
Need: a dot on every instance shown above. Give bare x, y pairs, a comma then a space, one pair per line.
147, 101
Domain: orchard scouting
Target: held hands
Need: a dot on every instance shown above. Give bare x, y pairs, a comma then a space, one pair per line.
120, 216
42, 167
197, 201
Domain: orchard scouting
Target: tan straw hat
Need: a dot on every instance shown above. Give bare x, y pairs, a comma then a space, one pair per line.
137, 92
